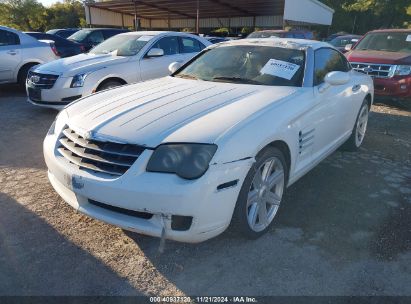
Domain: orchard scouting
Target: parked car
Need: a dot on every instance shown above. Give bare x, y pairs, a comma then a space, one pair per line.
215, 143
214, 40
64, 47
89, 38
386, 56
125, 58
333, 36
64, 33
341, 42
282, 34
18, 53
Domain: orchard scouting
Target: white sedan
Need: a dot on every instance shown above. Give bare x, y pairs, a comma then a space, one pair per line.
215, 143
123, 59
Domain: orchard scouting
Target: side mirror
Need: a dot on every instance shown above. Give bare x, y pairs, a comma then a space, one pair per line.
337, 78
173, 67
348, 47
155, 52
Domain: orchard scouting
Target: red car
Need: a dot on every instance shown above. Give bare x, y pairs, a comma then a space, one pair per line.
386, 56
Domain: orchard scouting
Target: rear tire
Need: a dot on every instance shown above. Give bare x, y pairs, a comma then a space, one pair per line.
261, 194
109, 85
360, 127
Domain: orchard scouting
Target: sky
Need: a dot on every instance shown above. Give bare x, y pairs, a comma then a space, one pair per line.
48, 2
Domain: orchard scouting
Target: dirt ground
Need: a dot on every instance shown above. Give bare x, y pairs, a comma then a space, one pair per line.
343, 229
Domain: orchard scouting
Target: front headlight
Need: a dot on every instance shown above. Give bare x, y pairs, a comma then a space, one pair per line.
189, 161
403, 70
58, 123
78, 80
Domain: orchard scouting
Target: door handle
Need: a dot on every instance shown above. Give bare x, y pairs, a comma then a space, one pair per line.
356, 87
12, 52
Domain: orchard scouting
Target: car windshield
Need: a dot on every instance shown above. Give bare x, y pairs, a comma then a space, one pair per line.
263, 35
389, 41
343, 41
122, 45
248, 64
79, 36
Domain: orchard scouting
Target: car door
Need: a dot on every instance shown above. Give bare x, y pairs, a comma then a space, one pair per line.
10, 55
156, 67
332, 102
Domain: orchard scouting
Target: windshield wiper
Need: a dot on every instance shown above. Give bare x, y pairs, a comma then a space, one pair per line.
236, 79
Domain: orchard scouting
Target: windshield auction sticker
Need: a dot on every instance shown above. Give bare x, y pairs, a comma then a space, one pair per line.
408, 38
280, 68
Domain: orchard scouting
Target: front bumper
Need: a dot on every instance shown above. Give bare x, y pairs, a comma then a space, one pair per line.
59, 95
162, 195
396, 87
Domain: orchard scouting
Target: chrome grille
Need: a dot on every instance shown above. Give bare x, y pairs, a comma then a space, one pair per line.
374, 70
42, 81
98, 156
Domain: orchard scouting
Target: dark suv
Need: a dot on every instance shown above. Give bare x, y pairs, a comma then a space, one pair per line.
89, 38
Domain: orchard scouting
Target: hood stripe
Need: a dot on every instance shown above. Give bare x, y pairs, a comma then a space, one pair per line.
205, 111
125, 111
133, 100
168, 103
102, 105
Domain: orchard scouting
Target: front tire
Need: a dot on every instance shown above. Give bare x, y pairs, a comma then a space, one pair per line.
109, 85
261, 194
360, 127
22, 76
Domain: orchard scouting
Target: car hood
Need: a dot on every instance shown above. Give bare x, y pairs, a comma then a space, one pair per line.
379, 57
170, 110
78, 64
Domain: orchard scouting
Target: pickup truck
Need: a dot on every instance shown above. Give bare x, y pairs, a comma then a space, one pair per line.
385, 55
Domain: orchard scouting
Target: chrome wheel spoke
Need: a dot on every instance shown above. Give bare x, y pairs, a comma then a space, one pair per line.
272, 198
262, 214
267, 170
275, 178
258, 180
252, 197
252, 214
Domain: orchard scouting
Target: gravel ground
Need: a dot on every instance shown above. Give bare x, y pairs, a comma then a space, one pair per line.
343, 229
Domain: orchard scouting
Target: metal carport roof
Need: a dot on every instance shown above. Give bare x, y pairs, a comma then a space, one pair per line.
176, 9
305, 11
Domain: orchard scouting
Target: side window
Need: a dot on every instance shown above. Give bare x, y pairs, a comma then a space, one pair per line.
190, 45
110, 33
328, 60
168, 44
96, 37
8, 38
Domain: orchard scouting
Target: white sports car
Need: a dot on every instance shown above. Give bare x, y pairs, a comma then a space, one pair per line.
215, 143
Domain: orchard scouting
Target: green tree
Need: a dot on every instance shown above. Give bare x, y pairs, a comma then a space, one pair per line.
70, 13
26, 15
30, 15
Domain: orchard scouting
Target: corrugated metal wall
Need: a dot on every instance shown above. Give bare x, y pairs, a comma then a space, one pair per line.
96, 16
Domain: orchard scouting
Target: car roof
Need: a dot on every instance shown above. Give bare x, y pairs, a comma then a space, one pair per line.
391, 31
281, 42
282, 31
102, 28
348, 36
